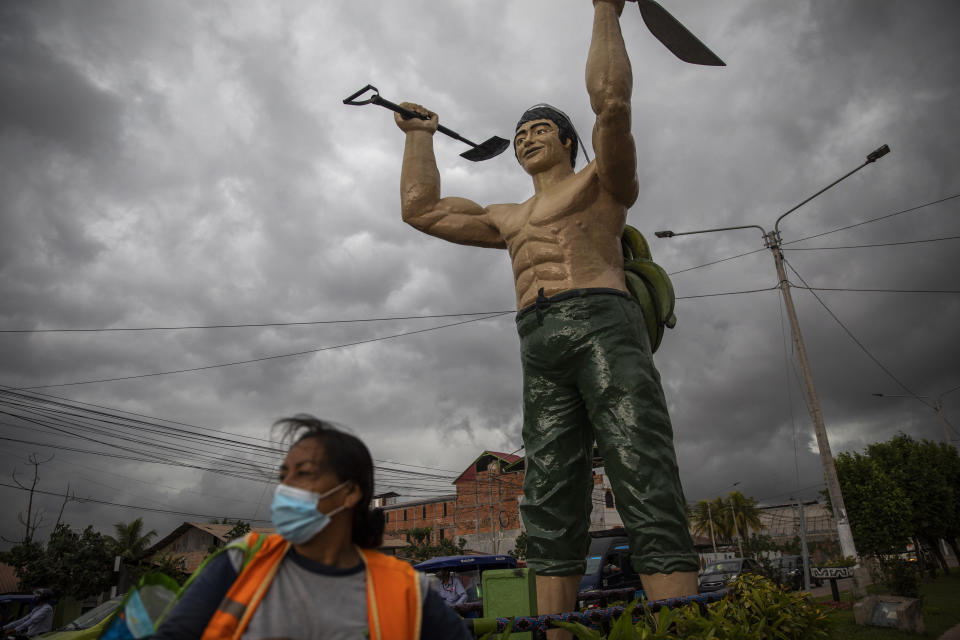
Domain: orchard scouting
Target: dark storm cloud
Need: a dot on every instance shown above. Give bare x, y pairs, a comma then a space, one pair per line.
45, 96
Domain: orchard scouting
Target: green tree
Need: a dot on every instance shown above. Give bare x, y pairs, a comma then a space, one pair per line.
172, 566
74, 564
878, 508
131, 541
917, 468
712, 517
949, 461
745, 514
519, 550
421, 548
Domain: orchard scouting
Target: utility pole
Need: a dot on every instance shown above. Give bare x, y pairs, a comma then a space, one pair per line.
772, 242
803, 545
847, 548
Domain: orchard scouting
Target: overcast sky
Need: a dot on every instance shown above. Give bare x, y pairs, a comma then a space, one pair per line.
171, 164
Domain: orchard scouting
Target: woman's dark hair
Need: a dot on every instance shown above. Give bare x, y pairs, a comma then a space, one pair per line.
565, 130
350, 460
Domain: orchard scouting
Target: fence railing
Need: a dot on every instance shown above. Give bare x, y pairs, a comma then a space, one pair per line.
591, 617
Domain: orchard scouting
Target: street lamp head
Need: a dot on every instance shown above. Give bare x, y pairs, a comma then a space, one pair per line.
879, 153
663, 234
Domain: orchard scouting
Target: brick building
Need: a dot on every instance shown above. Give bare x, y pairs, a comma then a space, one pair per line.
485, 510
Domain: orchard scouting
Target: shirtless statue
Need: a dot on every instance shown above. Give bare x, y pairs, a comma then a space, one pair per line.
587, 364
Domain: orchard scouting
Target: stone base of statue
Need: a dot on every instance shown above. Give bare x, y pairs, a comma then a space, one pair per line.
890, 611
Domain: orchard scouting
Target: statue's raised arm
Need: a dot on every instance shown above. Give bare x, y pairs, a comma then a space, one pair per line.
610, 84
454, 219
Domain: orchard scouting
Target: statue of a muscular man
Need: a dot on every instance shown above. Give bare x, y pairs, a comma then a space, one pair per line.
587, 365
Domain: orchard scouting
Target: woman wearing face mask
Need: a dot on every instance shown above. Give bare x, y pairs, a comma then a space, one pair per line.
318, 576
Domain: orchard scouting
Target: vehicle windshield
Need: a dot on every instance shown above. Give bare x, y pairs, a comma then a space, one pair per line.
93, 616
593, 563
726, 566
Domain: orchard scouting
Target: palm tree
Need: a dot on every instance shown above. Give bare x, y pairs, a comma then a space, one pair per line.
744, 516
712, 518
130, 540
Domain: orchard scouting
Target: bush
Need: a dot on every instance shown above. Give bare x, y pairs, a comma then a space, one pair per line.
758, 609
902, 578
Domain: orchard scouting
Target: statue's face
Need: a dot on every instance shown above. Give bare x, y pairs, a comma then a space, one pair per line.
538, 146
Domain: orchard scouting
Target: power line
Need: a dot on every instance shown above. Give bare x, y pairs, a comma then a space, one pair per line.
252, 324
878, 244
152, 421
713, 262
726, 293
125, 506
263, 359
853, 337
878, 218
884, 217
877, 290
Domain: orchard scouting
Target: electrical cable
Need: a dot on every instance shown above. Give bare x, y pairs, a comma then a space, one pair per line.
854, 338
884, 217
877, 290
870, 246
255, 324
727, 293
877, 219
125, 506
263, 359
707, 264
115, 413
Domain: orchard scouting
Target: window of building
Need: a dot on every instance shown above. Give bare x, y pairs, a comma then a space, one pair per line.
386, 516
424, 513
608, 499
441, 534
405, 514
444, 511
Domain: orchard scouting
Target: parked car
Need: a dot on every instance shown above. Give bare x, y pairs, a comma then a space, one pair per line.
609, 567
87, 626
719, 574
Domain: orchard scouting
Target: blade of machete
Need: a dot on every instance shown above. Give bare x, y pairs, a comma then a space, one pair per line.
676, 37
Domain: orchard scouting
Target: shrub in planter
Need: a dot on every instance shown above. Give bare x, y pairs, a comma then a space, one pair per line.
758, 609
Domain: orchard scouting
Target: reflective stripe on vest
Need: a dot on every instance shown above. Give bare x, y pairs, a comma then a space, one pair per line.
232, 616
394, 601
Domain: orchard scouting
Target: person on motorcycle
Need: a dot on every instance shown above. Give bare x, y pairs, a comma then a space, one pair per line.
319, 575
39, 620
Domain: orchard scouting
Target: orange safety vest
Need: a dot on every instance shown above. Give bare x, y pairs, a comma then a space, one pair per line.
394, 601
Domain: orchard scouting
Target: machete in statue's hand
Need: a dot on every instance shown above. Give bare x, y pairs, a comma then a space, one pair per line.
675, 36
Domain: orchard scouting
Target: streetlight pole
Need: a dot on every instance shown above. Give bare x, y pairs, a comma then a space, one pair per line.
772, 242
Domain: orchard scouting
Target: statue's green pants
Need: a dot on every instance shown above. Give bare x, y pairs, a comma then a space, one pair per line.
588, 375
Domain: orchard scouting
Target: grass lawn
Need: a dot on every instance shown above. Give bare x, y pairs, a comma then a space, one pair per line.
941, 611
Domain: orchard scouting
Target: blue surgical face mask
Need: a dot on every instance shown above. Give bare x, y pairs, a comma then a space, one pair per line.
294, 512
